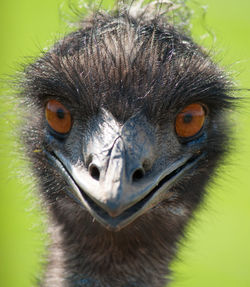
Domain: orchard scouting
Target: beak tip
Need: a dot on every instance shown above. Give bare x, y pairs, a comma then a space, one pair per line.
113, 208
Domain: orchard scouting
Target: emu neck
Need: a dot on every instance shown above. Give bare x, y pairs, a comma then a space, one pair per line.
88, 255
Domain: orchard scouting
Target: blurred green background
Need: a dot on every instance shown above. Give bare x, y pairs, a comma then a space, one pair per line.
217, 251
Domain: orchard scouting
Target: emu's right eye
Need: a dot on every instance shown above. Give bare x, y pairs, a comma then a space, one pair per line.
58, 117
190, 120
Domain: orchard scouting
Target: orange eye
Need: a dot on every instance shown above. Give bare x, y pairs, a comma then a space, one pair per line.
190, 120
58, 117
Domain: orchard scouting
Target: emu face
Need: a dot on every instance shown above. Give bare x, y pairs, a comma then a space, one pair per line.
119, 174
129, 118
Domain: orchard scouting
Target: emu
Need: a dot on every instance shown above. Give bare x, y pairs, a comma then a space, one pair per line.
125, 122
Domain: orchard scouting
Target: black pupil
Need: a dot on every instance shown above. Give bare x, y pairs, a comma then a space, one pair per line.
60, 113
187, 118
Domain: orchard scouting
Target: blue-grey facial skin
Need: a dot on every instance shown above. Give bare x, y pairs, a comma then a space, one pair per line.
117, 152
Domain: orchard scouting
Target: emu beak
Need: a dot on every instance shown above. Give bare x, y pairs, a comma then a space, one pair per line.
122, 180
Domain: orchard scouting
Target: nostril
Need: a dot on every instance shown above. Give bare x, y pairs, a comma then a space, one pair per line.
138, 174
94, 171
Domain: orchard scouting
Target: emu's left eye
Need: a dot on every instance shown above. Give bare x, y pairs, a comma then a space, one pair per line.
58, 117
190, 120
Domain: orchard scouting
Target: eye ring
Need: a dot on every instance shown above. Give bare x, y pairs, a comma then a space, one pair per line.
190, 120
58, 117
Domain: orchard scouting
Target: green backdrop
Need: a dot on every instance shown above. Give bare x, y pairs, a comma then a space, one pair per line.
217, 251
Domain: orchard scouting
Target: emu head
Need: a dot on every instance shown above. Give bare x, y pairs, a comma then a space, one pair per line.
127, 120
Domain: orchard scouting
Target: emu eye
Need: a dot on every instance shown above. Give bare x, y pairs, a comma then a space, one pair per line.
58, 117
190, 120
